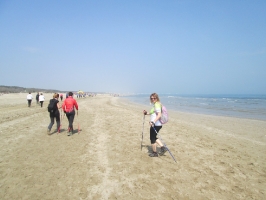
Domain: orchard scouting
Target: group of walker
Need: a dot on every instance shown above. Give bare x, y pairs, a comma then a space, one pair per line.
70, 104
68, 107
39, 99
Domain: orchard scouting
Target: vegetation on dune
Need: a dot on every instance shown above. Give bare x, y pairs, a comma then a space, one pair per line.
16, 89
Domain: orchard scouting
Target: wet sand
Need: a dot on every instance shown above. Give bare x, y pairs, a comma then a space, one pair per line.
217, 157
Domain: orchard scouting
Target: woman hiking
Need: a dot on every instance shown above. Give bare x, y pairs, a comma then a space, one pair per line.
68, 107
55, 114
155, 114
29, 99
41, 99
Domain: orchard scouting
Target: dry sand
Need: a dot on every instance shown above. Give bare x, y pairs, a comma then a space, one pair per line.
217, 157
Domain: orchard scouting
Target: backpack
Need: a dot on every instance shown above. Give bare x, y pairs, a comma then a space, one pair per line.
52, 106
164, 115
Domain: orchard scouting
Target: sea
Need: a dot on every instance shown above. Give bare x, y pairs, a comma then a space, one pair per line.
240, 106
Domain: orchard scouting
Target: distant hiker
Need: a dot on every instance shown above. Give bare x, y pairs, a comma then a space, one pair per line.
155, 114
53, 109
37, 98
41, 99
68, 107
29, 98
61, 97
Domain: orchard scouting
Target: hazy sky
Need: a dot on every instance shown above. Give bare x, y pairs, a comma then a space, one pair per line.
144, 46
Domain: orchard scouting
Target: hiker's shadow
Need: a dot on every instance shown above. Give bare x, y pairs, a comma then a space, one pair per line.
65, 131
76, 131
149, 149
56, 132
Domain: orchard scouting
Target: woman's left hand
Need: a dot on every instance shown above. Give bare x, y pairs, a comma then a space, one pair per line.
151, 123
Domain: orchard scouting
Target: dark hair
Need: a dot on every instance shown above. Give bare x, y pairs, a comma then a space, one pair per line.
70, 93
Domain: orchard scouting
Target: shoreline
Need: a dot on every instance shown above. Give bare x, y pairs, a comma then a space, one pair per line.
48, 96
204, 111
191, 113
248, 124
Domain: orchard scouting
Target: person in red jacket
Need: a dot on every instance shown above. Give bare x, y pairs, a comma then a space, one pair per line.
68, 107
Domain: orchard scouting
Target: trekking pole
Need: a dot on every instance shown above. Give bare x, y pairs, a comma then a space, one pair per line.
164, 143
58, 131
78, 121
142, 132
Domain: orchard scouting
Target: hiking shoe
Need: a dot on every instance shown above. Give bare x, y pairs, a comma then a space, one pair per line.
48, 131
163, 150
69, 134
154, 154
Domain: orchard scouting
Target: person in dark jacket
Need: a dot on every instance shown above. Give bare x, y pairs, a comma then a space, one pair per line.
55, 115
37, 98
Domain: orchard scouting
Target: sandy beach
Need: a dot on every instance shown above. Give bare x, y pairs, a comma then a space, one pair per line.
217, 157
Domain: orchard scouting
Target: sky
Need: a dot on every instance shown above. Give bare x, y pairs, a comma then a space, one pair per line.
140, 46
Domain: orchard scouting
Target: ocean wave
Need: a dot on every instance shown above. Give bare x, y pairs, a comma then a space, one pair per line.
228, 106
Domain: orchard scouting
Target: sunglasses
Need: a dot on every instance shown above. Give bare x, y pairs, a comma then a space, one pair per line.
153, 98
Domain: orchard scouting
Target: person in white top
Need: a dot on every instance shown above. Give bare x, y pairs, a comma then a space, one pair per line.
29, 98
41, 99
155, 123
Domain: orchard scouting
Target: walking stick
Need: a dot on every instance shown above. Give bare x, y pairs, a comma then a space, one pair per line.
78, 121
164, 143
58, 131
142, 132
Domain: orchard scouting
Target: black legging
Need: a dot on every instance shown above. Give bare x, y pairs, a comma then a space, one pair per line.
29, 102
70, 117
56, 116
41, 103
153, 134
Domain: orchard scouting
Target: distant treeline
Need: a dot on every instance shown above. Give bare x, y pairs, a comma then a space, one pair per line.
16, 89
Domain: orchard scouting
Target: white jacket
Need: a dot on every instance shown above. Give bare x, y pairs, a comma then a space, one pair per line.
41, 98
29, 96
